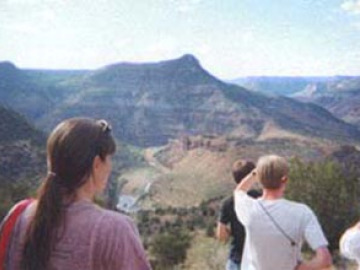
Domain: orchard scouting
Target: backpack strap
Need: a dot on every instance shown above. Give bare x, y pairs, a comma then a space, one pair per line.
7, 226
278, 227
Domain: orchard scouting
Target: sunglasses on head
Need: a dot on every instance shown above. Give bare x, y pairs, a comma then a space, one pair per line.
105, 126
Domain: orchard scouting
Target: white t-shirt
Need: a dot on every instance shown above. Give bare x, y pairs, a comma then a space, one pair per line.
266, 248
350, 244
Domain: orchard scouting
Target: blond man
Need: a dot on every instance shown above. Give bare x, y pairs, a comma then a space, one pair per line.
276, 228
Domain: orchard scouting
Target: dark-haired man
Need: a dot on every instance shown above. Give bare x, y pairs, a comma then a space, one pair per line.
228, 225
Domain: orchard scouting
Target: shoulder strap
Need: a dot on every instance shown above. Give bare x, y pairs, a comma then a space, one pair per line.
7, 226
292, 241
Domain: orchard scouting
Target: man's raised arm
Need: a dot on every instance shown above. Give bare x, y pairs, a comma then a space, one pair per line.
247, 182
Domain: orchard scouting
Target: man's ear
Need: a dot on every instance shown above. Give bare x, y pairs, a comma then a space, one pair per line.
284, 179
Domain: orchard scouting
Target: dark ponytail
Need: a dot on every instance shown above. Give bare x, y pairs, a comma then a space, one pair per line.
40, 236
71, 148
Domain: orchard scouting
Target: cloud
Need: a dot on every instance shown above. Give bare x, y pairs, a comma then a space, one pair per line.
203, 49
23, 3
186, 6
47, 15
19, 2
164, 46
21, 28
35, 21
351, 6
356, 25
248, 37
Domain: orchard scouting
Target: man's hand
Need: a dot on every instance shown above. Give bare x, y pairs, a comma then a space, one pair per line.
322, 260
222, 232
247, 182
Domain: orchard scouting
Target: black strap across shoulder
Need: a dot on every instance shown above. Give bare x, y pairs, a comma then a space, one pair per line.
292, 241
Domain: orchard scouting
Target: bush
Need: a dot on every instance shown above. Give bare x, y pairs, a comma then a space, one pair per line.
169, 248
331, 193
13, 192
210, 230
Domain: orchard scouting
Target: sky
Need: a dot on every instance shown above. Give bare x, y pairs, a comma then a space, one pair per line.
231, 38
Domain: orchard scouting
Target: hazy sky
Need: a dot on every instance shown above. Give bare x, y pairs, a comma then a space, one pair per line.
231, 38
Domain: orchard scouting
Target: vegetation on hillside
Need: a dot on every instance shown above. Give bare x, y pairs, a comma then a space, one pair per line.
150, 104
171, 234
14, 127
330, 190
168, 232
13, 192
22, 160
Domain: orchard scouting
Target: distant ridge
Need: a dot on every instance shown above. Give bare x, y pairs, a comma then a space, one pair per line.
154, 102
151, 103
278, 85
185, 59
19, 92
183, 66
7, 68
338, 94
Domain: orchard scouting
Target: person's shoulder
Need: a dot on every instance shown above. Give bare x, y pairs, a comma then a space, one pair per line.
117, 240
227, 202
243, 198
299, 207
96, 214
350, 243
111, 217
114, 227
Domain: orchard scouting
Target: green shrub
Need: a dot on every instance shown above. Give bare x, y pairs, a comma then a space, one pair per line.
330, 191
169, 248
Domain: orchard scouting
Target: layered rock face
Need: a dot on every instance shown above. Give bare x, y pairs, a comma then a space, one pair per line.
148, 104
151, 103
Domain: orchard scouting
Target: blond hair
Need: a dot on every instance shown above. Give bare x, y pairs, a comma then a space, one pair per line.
270, 171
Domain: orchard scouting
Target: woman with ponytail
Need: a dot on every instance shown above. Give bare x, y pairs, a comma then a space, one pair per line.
63, 228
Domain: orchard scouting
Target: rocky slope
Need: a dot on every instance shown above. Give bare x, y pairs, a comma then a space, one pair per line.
151, 103
340, 94
283, 86
21, 93
22, 148
148, 104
